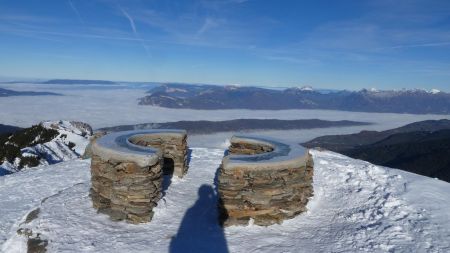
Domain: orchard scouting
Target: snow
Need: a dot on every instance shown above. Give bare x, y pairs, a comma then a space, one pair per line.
434, 91
6, 168
167, 97
231, 87
307, 88
22, 191
172, 90
73, 133
56, 150
357, 207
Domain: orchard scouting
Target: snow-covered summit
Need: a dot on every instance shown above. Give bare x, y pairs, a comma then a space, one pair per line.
306, 88
401, 91
49, 142
434, 91
301, 88
357, 207
71, 131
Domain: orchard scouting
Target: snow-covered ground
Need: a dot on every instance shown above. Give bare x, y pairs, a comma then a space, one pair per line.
356, 207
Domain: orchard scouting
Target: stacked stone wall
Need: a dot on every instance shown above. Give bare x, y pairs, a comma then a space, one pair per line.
243, 148
172, 147
124, 190
127, 185
266, 193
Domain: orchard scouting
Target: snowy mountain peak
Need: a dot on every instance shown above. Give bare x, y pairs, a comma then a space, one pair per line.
306, 88
299, 90
74, 134
75, 127
49, 142
232, 86
400, 91
434, 91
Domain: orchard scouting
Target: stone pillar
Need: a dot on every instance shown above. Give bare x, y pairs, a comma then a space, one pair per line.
267, 188
126, 171
125, 190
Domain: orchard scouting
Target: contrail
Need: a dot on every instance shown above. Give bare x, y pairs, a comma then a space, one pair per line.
432, 44
77, 35
133, 26
75, 10
135, 32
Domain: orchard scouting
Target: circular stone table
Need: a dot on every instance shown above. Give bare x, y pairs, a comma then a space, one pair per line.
264, 180
127, 171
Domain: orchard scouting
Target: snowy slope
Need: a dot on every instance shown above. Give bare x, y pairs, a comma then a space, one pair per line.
356, 207
59, 149
73, 131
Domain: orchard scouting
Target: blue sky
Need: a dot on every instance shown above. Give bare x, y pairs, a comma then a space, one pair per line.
386, 44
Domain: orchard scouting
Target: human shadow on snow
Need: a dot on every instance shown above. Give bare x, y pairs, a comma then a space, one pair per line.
199, 230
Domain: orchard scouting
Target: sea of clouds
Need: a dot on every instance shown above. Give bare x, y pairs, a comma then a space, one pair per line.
105, 106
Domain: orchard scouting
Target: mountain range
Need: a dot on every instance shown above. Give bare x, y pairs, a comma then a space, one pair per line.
9, 93
4, 129
421, 147
211, 97
207, 127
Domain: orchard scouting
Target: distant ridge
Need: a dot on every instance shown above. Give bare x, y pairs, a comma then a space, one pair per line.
7, 129
339, 143
9, 93
422, 147
211, 97
75, 81
207, 127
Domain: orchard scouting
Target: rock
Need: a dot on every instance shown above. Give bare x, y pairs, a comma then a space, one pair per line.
36, 245
267, 192
88, 151
127, 187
